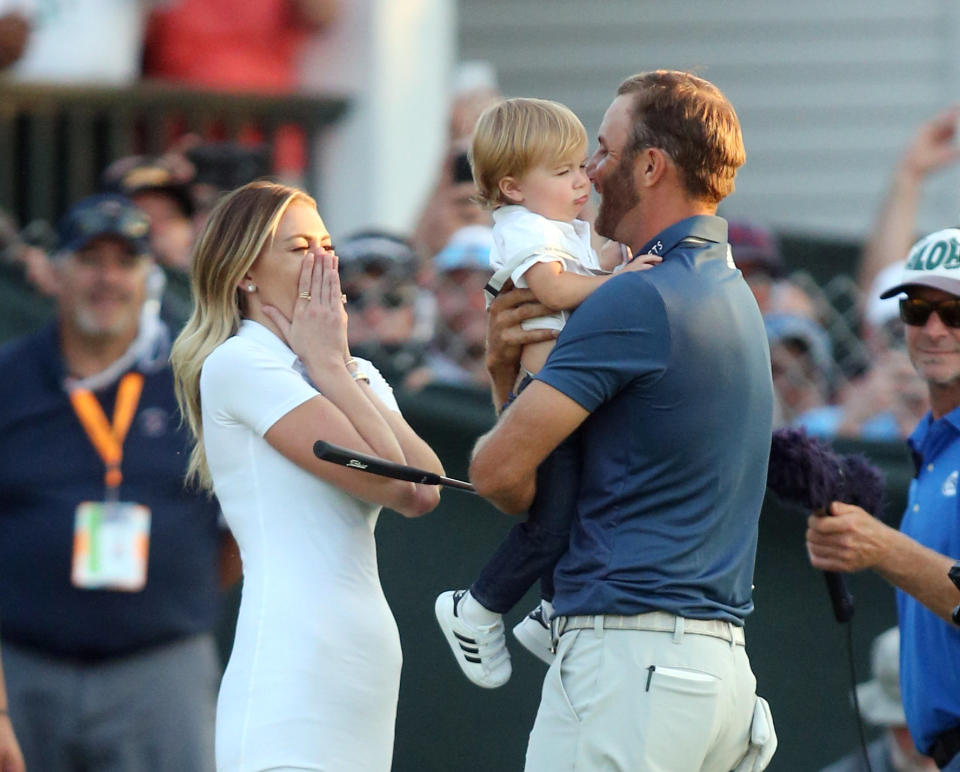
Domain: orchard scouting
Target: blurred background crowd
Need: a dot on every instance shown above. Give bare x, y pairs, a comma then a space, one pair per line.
370, 104
415, 297
414, 283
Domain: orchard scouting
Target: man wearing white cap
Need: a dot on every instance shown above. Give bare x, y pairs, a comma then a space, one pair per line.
917, 558
880, 705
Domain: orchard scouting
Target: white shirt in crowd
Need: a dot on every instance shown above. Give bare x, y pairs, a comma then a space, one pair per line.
80, 41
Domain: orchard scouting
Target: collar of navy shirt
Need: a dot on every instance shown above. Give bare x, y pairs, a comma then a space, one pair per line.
698, 230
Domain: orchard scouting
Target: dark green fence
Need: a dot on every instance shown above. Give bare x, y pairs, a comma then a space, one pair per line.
22, 309
55, 141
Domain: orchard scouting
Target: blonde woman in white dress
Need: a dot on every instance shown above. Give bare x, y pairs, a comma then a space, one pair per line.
263, 372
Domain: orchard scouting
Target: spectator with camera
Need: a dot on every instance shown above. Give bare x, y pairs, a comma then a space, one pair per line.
452, 204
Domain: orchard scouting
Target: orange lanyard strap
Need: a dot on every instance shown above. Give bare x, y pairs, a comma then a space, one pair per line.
108, 438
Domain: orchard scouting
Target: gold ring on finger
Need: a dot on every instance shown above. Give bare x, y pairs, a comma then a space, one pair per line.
305, 295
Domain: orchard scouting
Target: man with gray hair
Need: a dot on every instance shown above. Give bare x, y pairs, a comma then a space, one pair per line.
919, 559
108, 566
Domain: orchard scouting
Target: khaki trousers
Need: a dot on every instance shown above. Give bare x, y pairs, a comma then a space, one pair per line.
644, 700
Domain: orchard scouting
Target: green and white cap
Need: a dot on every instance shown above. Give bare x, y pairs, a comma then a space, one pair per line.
934, 261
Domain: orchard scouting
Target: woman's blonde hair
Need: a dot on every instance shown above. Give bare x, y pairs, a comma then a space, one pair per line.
514, 135
240, 226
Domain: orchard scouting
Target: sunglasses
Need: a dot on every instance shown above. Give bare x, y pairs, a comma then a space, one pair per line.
128, 222
391, 299
916, 311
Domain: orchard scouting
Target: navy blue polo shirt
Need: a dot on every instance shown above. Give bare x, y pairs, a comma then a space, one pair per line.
48, 466
930, 646
674, 367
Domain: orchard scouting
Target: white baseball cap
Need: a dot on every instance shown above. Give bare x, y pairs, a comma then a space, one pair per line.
934, 261
878, 311
879, 698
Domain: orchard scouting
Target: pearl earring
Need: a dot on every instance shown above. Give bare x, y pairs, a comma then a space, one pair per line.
251, 287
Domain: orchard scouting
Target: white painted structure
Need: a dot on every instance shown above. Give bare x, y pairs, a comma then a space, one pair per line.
393, 59
828, 91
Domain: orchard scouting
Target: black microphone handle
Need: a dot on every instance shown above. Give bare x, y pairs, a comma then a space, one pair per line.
840, 596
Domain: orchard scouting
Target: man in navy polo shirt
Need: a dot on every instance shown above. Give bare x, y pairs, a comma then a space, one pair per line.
108, 567
667, 375
917, 559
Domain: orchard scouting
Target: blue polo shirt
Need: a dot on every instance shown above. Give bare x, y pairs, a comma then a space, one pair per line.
47, 467
674, 368
930, 646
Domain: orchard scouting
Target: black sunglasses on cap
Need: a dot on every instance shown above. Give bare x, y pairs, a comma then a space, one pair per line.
916, 311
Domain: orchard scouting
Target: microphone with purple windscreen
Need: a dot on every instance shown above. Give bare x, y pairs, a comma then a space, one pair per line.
807, 471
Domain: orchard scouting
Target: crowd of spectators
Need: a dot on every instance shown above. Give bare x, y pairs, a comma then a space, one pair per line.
838, 373
839, 364
416, 303
872, 393
415, 300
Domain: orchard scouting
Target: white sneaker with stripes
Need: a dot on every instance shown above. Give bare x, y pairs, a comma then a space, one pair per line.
533, 632
480, 650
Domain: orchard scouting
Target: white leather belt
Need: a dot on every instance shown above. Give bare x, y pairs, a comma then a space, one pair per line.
653, 621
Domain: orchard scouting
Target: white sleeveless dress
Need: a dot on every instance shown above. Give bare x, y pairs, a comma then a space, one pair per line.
314, 675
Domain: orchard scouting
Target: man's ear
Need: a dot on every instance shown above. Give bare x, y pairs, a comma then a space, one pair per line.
510, 190
650, 166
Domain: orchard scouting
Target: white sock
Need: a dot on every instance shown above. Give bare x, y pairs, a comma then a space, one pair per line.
475, 613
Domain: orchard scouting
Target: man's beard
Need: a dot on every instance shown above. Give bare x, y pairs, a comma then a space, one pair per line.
92, 326
618, 196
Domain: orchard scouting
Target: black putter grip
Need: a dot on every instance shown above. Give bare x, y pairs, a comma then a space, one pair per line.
337, 455
840, 596
380, 466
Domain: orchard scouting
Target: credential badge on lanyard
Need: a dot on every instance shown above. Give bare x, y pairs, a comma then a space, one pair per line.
111, 538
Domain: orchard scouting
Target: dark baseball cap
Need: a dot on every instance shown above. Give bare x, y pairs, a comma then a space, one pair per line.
137, 174
106, 214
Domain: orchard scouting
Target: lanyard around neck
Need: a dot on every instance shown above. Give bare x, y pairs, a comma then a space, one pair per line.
106, 437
